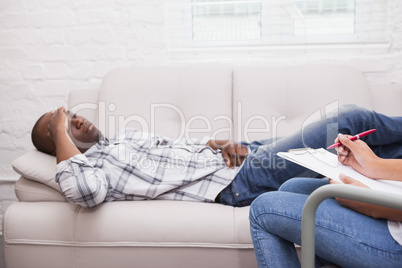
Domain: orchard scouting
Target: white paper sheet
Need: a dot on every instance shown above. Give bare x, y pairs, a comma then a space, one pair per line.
326, 163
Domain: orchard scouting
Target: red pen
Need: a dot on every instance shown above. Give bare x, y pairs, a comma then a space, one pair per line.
358, 136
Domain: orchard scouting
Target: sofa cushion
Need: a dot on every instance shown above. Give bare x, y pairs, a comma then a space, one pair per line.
32, 191
178, 102
128, 234
387, 99
84, 103
276, 101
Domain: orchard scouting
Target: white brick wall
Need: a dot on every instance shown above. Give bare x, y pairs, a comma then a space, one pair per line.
48, 47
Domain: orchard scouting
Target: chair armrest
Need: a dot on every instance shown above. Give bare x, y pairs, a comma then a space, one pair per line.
343, 191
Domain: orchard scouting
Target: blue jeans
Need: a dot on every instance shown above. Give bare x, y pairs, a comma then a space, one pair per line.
264, 171
343, 237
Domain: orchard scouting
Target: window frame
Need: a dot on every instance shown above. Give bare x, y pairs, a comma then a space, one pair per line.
306, 43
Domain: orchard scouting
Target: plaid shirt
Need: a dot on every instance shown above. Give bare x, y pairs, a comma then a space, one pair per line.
140, 166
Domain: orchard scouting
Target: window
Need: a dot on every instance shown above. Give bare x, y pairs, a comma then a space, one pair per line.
323, 17
226, 20
234, 23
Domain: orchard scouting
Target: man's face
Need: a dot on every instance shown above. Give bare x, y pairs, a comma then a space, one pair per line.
82, 132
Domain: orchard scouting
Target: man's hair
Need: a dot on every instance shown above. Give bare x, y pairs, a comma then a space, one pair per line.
38, 140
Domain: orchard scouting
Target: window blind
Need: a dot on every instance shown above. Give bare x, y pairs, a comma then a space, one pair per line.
209, 23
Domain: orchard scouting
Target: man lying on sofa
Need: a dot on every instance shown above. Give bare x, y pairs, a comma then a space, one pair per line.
92, 169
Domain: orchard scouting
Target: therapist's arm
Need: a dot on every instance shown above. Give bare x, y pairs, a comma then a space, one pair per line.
360, 157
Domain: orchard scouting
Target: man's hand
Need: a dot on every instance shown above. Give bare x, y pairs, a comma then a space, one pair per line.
58, 132
58, 123
233, 152
364, 208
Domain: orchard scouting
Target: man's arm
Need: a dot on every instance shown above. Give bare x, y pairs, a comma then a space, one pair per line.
57, 131
233, 152
80, 183
78, 180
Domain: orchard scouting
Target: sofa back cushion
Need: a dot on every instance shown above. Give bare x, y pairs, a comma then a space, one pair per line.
84, 103
178, 102
271, 102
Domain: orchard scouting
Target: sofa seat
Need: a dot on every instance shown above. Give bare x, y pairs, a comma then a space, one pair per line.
73, 236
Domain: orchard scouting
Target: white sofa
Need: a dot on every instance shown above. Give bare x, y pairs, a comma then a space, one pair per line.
222, 101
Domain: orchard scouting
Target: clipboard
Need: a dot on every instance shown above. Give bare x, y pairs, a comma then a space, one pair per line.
327, 164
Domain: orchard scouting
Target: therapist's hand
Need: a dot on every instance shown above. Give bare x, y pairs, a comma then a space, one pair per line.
358, 155
364, 208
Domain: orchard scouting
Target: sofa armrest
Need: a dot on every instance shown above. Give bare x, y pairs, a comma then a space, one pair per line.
387, 99
344, 191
